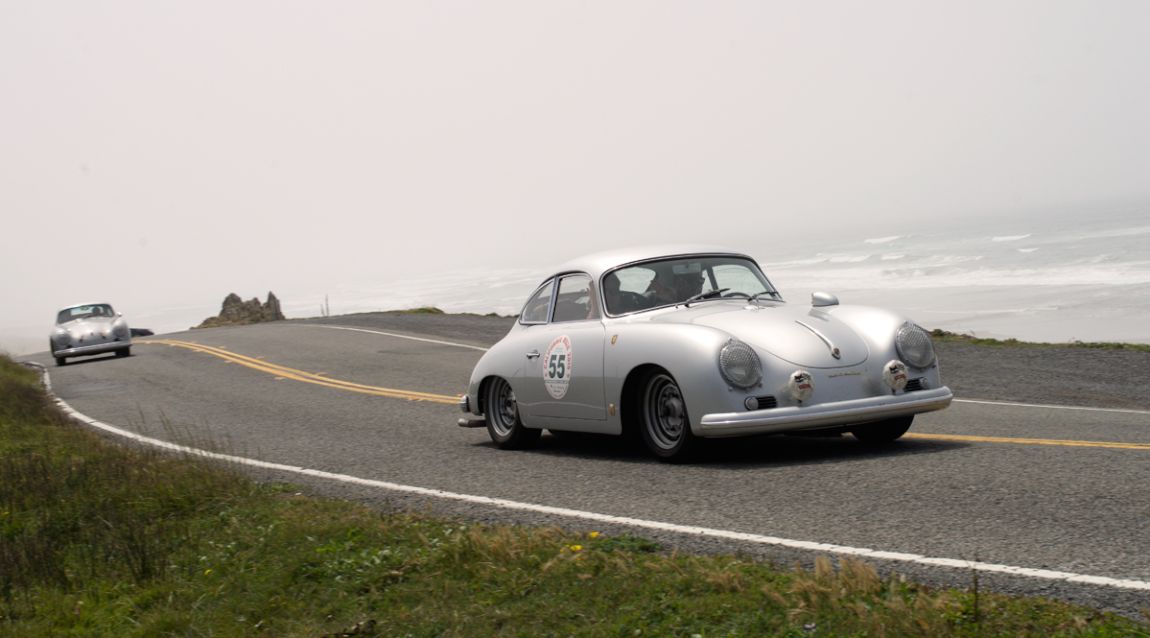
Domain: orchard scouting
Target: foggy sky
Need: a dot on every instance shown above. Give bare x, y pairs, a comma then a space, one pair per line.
157, 154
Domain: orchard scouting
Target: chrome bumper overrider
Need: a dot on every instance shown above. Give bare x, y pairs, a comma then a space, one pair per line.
824, 414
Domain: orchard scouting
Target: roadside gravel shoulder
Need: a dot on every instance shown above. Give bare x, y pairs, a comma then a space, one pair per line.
1054, 374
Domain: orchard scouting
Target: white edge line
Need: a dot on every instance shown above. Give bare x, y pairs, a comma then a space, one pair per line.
398, 336
977, 401
1051, 407
707, 532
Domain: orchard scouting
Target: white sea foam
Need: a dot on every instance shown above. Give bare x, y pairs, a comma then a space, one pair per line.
1010, 238
893, 257
883, 240
1027, 250
848, 259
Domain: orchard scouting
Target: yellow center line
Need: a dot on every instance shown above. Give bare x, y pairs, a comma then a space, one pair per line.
1023, 441
284, 372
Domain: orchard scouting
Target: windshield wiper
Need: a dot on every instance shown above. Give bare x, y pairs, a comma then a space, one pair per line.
772, 293
710, 294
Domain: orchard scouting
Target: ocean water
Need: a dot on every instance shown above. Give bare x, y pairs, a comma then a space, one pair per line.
1084, 278
1054, 280
1080, 277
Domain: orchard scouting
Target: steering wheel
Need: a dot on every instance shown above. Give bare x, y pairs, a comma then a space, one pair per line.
740, 295
629, 301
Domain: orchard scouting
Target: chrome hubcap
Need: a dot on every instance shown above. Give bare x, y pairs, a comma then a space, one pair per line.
504, 412
665, 414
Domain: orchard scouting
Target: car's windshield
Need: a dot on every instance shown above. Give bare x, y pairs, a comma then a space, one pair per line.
667, 282
85, 312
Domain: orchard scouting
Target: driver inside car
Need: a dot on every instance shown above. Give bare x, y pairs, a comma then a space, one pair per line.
661, 289
688, 285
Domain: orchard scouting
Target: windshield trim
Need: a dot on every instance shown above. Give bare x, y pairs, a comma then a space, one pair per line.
778, 297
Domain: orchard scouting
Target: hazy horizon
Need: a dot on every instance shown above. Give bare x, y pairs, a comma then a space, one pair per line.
162, 156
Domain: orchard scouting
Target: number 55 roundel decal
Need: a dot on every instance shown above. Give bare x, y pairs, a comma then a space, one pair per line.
558, 366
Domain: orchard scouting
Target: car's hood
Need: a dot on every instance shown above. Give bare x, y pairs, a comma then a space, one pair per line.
91, 325
800, 335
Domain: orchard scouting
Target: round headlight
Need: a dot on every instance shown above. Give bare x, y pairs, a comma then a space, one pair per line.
914, 346
739, 364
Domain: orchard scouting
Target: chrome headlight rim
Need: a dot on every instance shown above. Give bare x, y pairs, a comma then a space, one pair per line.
914, 345
733, 353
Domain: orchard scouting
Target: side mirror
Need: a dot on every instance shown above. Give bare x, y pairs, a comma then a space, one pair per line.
824, 299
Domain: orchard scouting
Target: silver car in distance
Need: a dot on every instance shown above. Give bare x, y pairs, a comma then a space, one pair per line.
675, 344
88, 329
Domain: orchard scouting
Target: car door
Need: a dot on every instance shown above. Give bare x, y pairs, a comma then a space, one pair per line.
562, 381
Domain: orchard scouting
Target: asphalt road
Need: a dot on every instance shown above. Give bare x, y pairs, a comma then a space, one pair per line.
1009, 491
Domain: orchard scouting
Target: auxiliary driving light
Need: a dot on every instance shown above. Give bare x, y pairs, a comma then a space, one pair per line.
894, 373
800, 385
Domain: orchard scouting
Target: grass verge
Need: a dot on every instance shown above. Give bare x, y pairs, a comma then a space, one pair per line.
954, 337
102, 540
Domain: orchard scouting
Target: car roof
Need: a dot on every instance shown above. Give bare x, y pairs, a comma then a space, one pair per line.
598, 263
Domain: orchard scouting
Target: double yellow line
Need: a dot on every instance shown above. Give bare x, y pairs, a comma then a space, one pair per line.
284, 372
1111, 445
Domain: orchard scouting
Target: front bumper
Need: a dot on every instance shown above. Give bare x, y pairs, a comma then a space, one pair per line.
824, 414
95, 348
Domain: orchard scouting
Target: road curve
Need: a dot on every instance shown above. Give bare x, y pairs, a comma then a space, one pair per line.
1042, 489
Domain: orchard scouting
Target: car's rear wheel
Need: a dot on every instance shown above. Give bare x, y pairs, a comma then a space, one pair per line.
664, 424
124, 352
61, 361
883, 431
502, 415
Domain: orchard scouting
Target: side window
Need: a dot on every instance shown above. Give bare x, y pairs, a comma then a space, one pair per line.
536, 309
574, 301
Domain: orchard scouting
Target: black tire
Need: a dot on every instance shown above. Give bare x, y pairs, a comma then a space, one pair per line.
61, 361
124, 352
502, 416
664, 424
883, 431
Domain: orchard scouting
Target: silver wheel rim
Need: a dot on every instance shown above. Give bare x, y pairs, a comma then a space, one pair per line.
504, 412
664, 413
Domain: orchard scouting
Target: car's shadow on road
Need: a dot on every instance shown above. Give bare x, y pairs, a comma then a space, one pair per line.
749, 451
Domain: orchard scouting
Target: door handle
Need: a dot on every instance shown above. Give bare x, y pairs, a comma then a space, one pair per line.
534, 354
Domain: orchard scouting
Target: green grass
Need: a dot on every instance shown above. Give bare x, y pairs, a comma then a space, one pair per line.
432, 310
422, 310
953, 337
102, 540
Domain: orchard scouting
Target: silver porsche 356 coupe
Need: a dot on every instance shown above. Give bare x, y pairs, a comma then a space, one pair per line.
88, 329
676, 344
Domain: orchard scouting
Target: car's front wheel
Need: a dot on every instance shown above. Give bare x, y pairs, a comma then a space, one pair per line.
664, 424
124, 352
61, 361
883, 431
502, 415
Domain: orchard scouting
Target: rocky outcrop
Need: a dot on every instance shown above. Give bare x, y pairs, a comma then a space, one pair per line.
237, 312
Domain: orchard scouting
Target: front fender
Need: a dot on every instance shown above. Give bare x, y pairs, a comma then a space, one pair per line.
688, 352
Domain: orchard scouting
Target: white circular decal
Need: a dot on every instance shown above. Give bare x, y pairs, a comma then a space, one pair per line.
558, 366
